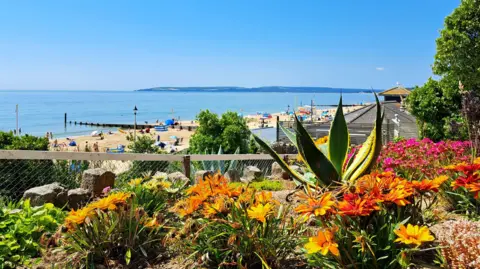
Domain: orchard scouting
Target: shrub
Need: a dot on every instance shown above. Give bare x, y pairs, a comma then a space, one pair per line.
114, 228
22, 228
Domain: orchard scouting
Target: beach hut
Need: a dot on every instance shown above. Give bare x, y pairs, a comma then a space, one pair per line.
396, 94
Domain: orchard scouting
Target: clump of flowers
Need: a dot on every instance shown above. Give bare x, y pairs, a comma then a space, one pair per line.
82, 215
362, 221
416, 159
235, 226
115, 227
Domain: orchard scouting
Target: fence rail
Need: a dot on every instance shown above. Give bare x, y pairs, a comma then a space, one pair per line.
21, 170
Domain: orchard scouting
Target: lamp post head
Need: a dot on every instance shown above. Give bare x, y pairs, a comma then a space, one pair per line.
135, 110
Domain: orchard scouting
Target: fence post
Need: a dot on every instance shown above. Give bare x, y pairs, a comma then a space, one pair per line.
278, 129
186, 165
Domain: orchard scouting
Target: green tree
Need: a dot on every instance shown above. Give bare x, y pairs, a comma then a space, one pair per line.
458, 47
229, 131
435, 105
144, 144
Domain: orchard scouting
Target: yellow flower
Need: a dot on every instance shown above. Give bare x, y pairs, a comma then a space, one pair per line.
165, 184
323, 243
413, 235
259, 212
110, 202
135, 182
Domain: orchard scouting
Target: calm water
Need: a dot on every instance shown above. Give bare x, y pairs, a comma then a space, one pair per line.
42, 111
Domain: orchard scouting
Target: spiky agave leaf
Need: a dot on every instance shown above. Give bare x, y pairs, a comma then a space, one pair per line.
368, 154
338, 139
295, 175
233, 163
221, 163
318, 163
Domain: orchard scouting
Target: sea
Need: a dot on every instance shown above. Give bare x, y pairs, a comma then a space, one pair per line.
41, 111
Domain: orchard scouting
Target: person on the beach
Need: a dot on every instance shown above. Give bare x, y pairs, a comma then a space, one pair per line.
95, 147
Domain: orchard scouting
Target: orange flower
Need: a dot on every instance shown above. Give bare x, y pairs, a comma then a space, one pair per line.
323, 243
353, 205
259, 212
77, 217
413, 235
398, 196
318, 207
473, 187
211, 209
429, 185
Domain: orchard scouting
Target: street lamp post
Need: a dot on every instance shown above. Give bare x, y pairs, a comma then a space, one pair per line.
135, 124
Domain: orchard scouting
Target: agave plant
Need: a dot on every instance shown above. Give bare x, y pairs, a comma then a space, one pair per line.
328, 162
217, 166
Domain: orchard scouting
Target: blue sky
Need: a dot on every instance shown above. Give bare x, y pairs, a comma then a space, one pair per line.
126, 45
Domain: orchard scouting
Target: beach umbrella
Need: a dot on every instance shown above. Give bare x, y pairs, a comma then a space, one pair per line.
169, 122
95, 133
174, 137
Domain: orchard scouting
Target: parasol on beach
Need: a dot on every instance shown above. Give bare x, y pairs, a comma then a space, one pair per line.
95, 133
174, 137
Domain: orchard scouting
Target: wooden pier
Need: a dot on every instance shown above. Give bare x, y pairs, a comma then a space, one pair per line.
132, 126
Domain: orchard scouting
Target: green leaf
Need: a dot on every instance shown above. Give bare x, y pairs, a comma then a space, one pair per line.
314, 158
128, 256
338, 139
233, 163
290, 135
378, 126
280, 161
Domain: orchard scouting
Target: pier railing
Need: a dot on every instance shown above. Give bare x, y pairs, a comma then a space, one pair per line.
21, 170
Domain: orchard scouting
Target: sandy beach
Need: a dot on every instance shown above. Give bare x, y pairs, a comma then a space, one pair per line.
117, 138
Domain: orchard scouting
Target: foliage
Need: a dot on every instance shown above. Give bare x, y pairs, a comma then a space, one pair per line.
23, 229
328, 161
236, 226
364, 225
27, 142
144, 144
230, 132
114, 228
265, 185
457, 54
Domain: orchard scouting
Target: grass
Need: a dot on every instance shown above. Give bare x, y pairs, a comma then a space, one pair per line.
266, 185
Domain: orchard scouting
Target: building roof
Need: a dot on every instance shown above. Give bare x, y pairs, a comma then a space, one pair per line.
395, 91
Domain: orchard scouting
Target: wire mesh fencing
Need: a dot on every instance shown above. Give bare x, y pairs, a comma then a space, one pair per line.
22, 170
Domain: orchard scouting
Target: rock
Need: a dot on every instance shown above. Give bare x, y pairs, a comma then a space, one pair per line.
251, 173
46, 194
177, 177
232, 176
78, 197
278, 173
202, 174
95, 180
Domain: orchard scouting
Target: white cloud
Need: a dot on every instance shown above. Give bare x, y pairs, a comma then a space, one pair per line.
380, 68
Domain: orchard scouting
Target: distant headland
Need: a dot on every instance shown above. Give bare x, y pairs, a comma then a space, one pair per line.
258, 89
